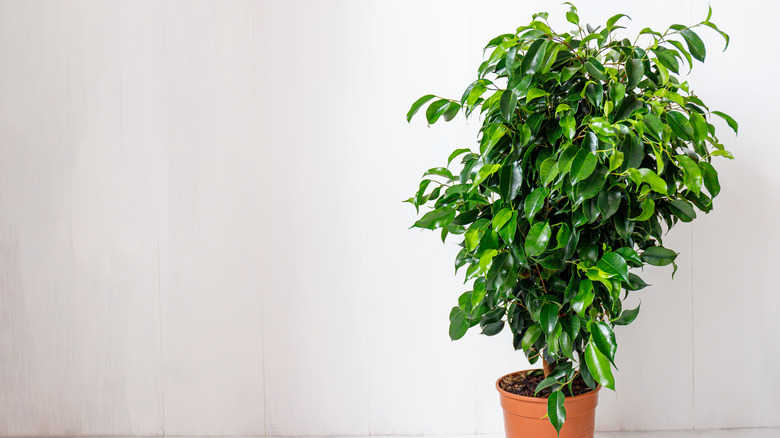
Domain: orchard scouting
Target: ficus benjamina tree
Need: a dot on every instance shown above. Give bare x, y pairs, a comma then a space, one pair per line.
591, 147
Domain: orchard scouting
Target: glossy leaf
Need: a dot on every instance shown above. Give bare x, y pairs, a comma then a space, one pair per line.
604, 338
613, 263
693, 177
599, 366
627, 317
658, 256
695, 44
710, 178
534, 202
583, 164
416, 106
538, 238
556, 410
533, 58
731, 122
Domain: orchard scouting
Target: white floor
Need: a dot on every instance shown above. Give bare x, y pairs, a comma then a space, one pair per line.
733, 433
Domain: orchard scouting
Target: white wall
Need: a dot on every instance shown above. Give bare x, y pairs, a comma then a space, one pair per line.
201, 230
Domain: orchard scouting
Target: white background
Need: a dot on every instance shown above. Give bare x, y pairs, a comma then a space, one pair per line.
201, 227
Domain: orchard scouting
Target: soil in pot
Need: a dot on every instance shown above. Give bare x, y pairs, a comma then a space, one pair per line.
524, 384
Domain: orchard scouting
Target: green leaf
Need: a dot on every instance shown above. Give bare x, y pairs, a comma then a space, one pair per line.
563, 235
485, 172
530, 337
658, 256
604, 338
548, 318
583, 164
695, 44
533, 57
710, 178
611, 22
613, 263
435, 110
511, 180
538, 238
692, 173
599, 366
732, 123
569, 125
556, 410
627, 317
723, 34
501, 218
680, 125
654, 125
493, 328
534, 93
683, 210
416, 106
456, 153
584, 297
436, 219
608, 202
458, 324
635, 70
648, 209
534, 202
507, 231
655, 182
508, 104
596, 70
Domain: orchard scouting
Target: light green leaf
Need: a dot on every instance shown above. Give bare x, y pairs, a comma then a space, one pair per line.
534, 93
648, 209
485, 172
584, 297
530, 337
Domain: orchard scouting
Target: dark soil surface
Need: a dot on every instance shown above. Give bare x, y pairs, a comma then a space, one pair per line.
525, 385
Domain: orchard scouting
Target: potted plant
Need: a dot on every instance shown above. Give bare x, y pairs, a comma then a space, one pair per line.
591, 146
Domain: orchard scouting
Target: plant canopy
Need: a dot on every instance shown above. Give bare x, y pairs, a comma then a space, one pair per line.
590, 147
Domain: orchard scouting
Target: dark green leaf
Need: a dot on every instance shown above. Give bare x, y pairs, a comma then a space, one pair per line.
538, 238
658, 256
436, 219
695, 44
534, 202
599, 366
627, 317
680, 125
604, 338
435, 110
635, 70
710, 178
533, 57
583, 164
548, 318
608, 202
530, 337
458, 324
683, 210
493, 328
508, 104
556, 410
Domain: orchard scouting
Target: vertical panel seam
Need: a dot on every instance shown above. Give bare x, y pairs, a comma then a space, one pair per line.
693, 326
253, 13
159, 282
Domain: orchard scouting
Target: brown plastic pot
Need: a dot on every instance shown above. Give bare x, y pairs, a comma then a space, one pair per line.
525, 417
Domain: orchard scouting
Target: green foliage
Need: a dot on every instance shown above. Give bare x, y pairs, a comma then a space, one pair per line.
590, 147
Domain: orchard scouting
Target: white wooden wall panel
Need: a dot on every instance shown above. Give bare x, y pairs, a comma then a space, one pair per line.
211, 220
315, 295
736, 295
79, 345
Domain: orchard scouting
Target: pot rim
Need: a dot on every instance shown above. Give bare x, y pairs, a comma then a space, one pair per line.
507, 394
